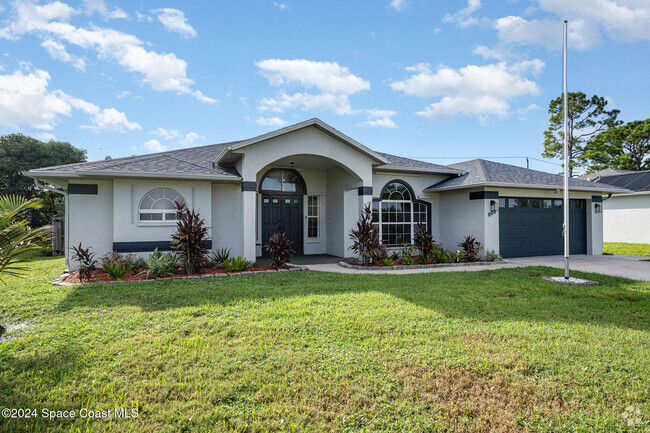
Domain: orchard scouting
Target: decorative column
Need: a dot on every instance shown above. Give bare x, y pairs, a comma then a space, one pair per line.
249, 197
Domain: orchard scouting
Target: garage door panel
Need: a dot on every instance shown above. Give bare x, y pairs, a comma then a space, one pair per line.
538, 231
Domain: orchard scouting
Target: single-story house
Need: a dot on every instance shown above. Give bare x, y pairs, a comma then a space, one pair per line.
311, 181
626, 217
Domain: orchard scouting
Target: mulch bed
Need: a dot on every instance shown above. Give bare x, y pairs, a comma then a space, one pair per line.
101, 276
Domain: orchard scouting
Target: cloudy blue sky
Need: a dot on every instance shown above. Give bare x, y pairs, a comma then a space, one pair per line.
419, 78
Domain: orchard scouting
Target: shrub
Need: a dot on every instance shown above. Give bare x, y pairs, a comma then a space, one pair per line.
388, 262
116, 271
424, 241
493, 256
365, 238
407, 251
471, 248
160, 264
138, 265
394, 256
279, 246
220, 257
408, 260
237, 264
440, 257
189, 240
455, 257
86, 261
115, 258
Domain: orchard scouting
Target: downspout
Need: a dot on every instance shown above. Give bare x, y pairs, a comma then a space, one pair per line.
40, 184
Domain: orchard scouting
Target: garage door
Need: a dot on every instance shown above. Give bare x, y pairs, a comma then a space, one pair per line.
533, 227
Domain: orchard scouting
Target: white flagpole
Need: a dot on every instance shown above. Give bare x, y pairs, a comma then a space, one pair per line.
566, 162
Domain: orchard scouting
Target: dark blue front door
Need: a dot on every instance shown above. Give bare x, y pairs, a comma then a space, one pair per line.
282, 213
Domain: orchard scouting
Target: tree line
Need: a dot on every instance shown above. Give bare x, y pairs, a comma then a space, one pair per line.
597, 139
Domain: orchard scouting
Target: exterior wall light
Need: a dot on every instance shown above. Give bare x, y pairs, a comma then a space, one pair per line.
598, 208
493, 207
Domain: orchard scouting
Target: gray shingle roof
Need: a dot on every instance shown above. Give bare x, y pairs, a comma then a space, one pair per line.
196, 161
192, 161
480, 172
635, 181
592, 177
399, 161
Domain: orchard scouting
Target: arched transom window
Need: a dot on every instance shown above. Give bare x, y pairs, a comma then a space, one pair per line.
279, 180
159, 205
398, 213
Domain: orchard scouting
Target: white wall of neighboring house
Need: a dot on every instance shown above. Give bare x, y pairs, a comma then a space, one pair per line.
626, 218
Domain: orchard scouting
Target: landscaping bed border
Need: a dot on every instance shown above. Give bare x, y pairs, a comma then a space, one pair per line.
61, 280
427, 266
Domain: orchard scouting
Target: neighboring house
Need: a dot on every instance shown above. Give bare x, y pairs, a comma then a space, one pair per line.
626, 217
312, 181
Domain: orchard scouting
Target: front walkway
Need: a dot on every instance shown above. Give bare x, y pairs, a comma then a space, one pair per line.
618, 266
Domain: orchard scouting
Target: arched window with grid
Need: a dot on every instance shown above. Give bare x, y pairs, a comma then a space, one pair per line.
397, 214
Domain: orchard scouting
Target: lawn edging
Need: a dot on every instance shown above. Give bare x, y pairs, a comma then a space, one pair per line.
405, 267
61, 280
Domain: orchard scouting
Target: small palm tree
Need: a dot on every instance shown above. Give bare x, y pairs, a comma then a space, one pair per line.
16, 237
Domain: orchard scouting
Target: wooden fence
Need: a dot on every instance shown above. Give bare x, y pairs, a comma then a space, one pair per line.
58, 236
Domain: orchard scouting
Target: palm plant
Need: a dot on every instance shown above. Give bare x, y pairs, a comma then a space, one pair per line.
16, 236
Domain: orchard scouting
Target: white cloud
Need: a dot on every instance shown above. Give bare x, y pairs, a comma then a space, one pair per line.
173, 20
26, 100
190, 138
281, 6
270, 121
162, 72
92, 6
154, 145
398, 5
167, 134
111, 120
379, 118
498, 52
463, 17
123, 94
44, 136
548, 33
471, 90
624, 20
58, 52
335, 83
142, 17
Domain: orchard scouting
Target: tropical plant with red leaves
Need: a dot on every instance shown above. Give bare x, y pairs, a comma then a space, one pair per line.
190, 239
280, 248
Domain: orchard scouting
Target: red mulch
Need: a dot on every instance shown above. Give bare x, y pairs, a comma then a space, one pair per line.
101, 276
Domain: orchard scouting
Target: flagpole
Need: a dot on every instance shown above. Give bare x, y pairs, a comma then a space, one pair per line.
566, 162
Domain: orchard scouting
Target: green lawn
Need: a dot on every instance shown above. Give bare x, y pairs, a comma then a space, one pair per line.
486, 351
626, 249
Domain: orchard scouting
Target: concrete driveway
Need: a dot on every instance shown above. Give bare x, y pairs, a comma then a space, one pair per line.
619, 266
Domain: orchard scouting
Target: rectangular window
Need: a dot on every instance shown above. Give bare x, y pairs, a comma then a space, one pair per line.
312, 217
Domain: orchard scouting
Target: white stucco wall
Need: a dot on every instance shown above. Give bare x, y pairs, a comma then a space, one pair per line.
227, 227
90, 220
459, 217
343, 211
127, 196
626, 218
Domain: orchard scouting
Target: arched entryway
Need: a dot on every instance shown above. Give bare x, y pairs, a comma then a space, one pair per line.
282, 192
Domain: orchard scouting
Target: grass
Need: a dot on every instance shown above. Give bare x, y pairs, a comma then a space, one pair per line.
488, 351
626, 249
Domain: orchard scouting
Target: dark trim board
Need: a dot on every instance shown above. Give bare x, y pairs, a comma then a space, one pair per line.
597, 198
82, 188
481, 195
146, 246
365, 190
249, 185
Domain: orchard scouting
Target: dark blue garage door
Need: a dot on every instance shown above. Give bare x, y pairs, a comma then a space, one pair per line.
533, 227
